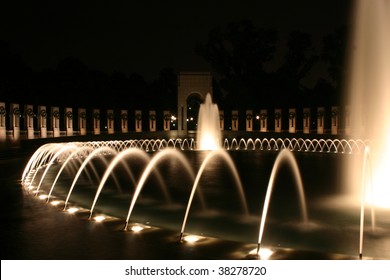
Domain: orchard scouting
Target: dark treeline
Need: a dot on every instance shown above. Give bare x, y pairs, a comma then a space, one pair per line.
249, 74
256, 70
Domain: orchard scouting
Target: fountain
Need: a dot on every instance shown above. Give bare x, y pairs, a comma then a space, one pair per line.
223, 204
209, 134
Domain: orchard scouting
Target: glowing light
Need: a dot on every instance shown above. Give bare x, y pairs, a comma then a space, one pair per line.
30, 188
99, 218
192, 238
264, 253
208, 142
379, 194
43, 196
55, 202
72, 210
137, 228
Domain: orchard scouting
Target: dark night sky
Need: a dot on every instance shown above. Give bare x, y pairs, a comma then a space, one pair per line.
145, 36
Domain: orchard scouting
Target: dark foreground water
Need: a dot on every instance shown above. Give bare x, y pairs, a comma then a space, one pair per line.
32, 229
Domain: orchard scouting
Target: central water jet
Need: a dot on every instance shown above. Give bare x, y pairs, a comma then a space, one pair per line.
208, 134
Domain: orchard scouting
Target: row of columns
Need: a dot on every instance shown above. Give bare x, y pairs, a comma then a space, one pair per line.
54, 117
292, 123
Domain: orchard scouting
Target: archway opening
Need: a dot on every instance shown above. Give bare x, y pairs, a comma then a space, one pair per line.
193, 104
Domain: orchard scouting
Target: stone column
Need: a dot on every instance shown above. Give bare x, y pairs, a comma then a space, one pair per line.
3, 126
96, 121
221, 120
335, 120
320, 120
292, 120
152, 120
249, 120
278, 120
306, 120
263, 120
55, 121
124, 121
167, 120
42, 121
69, 121
110, 121
29, 120
234, 120
15, 121
138, 121
82, 117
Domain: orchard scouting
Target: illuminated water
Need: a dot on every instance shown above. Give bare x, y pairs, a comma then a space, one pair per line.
223, 208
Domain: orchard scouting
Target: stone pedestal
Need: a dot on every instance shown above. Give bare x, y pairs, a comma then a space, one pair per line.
124, 121
3, 129
278, 120
15, 121
167, 120
249, 120
29, 120
138, 121
96, 121
306, 120
110, 121
42, 121
55, 121
263, 120
234, 120
221, 120
292, 120
82, 121
320, 120
335, 120
152, 121
69, 121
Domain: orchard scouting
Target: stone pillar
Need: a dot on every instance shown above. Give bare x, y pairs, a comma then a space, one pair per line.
278, 120
96, 121
152, 120
3, 129
82, 120
29, 120
138, 121
347, 120
320, 120
234, 120
110, 121
69, 121
306, 120
15, 121
42, 121
263, 120
249, 120
221, 120
124, 121
55, 121
167, 120
335, 120
292, 120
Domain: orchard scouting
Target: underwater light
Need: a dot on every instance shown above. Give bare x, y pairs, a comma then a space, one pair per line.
55, 202
137, 228
263, 253
192, 238
99, 218
43, 196
72, 210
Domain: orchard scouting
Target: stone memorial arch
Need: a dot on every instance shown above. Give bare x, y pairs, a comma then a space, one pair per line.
191, 85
